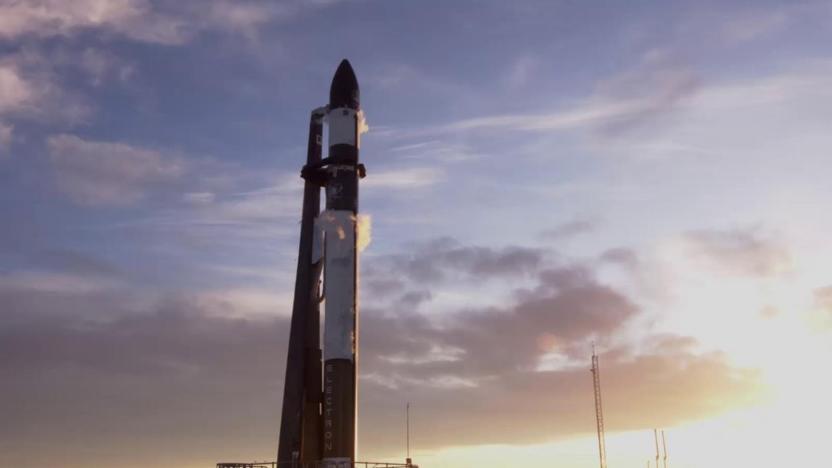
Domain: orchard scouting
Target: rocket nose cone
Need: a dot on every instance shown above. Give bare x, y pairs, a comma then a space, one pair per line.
344, 89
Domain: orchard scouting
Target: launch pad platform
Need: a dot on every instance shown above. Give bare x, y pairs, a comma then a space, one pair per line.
266, 464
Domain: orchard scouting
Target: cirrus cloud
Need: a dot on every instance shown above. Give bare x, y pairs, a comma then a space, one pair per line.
746, 252
108, 173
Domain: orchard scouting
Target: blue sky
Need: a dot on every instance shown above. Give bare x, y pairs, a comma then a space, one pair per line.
651, 176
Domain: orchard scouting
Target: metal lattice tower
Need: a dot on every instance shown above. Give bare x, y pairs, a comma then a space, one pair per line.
599, 411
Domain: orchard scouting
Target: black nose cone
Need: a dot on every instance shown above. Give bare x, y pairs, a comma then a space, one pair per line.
344, 90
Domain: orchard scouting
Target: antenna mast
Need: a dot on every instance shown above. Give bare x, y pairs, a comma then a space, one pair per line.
408, 460
599, 411
656, 436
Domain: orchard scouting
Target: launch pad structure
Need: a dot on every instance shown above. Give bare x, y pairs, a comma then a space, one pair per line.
312, 465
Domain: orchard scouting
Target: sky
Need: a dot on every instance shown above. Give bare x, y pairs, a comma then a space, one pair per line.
651, 177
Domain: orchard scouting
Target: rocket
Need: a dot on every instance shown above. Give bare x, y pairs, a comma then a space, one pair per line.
318, 423
339, 226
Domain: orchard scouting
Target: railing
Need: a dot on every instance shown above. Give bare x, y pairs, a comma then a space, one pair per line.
317, 464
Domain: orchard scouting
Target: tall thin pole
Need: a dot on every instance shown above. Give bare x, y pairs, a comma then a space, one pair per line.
664, 448
656, 436
599, 410
407, 423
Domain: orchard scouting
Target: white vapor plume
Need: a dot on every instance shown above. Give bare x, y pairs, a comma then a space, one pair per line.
365, 231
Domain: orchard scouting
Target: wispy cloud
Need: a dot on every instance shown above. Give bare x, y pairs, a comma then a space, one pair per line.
242, 17
655, 87
15, 92
102, 65
738, 251
569, 229
108, 173
756, 24
583, 115
53, 282
522, 70
30, 88
277, 200
134, 19
652, 88
436, 150
247, 302
438, 259
401, 77
6, 135
403, 179
161, 22
199, 215
822, 314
